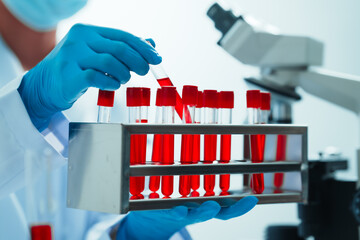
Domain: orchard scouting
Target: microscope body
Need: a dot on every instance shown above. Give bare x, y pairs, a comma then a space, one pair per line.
287, 62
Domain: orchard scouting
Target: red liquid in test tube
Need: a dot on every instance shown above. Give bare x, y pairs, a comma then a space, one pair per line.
105, 103
164, 81
280, 156
195, 179
210, 140
226, 106
137, 99
145, 103
156, 157
169, 101
189, 96
253, 98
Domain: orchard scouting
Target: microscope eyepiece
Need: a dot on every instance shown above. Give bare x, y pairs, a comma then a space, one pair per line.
223, 19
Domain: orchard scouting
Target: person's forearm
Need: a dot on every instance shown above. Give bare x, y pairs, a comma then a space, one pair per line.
28, 45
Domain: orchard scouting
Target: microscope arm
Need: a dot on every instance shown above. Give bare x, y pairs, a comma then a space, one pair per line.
340, 89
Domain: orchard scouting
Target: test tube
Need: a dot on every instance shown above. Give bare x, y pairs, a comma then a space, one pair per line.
105, 103
169, 102
210, 140
144, 113
164, 81
156, 157
195, 179
41, 232
253, 98
265, 107
134, 102
189, 97
265, 98
280, 156
226, 106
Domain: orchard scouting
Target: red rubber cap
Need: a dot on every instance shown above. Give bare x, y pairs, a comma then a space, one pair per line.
265, 101
145, 100
189, 95
169, 96
218, 100
200, 99
41, 232
253, 98
226, 99
106, 98
159, 97
133, 97
210, 99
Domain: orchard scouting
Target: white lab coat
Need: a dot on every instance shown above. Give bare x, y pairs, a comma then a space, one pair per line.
17, 137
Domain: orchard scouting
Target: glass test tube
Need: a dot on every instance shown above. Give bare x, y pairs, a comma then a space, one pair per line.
144, 114
280, 147
169, 102
226, 106
195, 179
210, 140
137, 147
256, 145
156, 157
265, 98
189, 97
280, 156
164, 81
105, 103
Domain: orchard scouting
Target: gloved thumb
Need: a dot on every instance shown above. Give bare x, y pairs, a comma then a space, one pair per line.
151, 41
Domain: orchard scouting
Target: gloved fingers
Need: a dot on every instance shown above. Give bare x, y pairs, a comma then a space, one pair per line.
239, 208
151, 41
140, 45
174, 214
100, 80
204, 212
177, 213
106, 63
122, 52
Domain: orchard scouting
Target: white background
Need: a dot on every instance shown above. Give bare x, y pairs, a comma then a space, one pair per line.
186, 39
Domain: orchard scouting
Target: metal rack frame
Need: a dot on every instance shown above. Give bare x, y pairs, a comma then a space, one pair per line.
99, 166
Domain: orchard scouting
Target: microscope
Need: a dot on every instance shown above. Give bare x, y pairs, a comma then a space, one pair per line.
332, 210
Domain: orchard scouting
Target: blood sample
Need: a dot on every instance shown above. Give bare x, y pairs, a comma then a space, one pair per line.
144, 113
210, 140
164, 81
169, 102
189, 96
41, 232
154, 183
265, 99
265, 107
280, 156
195, 179
226, 105
135, 103
105, 103
253, 98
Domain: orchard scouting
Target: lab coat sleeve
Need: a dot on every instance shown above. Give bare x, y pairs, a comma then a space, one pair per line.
18, 136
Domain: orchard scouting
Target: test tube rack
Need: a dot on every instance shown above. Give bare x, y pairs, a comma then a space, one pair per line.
99, 168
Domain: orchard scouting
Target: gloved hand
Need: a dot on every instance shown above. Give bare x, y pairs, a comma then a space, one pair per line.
162, 224
80, 61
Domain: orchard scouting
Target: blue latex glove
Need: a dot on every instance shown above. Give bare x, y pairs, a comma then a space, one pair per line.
80, 61
162, 224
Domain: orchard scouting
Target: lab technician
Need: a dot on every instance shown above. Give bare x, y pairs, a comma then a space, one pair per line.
30, 111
